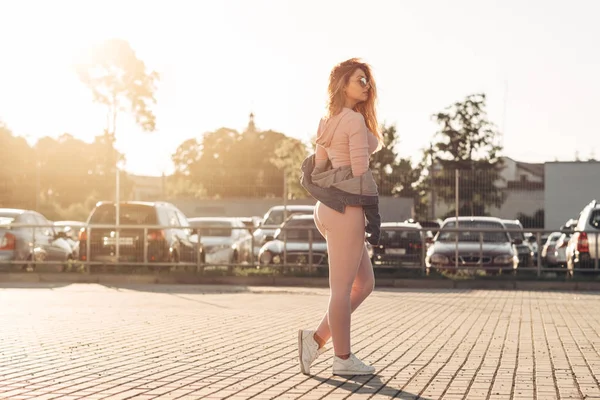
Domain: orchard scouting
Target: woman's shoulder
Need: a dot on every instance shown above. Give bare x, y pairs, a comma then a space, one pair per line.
350, 114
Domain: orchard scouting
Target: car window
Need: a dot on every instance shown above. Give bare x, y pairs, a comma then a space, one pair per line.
216, 228
275, 217
183, 221
172, 217
45, 225
513, 228
471, 234
299, 235
389, 236
595, 219
553, 238
29, 219
129, 214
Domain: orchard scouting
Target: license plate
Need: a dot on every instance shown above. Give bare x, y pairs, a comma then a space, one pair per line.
123, 241
395, 251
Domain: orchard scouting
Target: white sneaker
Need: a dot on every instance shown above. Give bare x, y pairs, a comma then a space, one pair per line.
308, 350
351, 366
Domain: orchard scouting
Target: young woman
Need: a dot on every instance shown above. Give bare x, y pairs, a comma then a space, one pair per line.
346, 138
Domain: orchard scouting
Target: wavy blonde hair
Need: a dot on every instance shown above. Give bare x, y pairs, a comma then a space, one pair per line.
338, 79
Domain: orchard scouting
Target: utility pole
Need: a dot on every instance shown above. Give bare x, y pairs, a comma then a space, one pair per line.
432, 178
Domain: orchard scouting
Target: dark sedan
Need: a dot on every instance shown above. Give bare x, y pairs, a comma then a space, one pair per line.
400, 244
483, 243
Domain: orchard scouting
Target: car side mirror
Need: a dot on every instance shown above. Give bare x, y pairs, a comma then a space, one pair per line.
517, 241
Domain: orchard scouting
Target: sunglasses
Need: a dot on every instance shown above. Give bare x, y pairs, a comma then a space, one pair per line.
364, 82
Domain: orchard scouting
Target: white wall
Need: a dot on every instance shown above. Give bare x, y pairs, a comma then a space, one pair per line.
569, 187
391, 209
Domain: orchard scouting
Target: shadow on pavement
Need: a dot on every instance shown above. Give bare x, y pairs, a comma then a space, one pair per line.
179, 288
32, 285
368, 385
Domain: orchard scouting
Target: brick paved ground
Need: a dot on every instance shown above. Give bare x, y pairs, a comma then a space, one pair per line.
92, 341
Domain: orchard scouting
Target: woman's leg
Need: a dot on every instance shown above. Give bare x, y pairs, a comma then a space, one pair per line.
345, 234
361, 288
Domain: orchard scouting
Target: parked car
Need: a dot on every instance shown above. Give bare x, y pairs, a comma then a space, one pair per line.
37, 243
297, 231
69, 230
496, 251
532, 239
273, 219
225, 240
583, 249
252, 223
515, 231
400, 244
560, 249
168, 235
548, 251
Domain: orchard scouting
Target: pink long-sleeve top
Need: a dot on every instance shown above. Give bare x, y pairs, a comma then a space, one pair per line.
345, 140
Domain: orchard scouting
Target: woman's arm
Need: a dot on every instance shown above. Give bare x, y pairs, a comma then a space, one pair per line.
321, 157
359, 143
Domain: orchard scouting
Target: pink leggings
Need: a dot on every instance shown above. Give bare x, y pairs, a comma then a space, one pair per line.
350, 271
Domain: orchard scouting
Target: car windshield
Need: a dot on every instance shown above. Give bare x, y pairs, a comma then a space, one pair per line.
471, 234
213, 228
513, 228
293, 234
129, 214
553, 238
395, 237
275, 217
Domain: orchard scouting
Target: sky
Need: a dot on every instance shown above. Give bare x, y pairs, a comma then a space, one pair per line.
537, 61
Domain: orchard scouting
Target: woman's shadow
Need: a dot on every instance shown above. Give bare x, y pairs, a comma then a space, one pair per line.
369, 384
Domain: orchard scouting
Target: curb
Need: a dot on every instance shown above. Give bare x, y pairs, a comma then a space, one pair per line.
317, 282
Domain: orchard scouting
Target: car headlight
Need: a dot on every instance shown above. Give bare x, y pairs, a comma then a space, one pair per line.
439, 259
503, 259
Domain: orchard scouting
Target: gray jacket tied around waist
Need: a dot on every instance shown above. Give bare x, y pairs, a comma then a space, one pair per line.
338, 188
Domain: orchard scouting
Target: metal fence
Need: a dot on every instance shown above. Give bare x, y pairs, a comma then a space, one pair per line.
299, 250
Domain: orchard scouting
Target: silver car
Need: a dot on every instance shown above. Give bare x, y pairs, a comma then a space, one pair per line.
584, 247
22, 247
69, 231
548, 251
225, 240
273, 219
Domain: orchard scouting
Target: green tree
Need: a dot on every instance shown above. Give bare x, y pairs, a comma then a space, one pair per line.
181, 187
227, 163
395, 176
468, 142
18, 175
288, 158
119, 80
186, 156
535, 221
73, 171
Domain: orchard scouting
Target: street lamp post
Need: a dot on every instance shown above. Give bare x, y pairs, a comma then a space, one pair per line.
118, 207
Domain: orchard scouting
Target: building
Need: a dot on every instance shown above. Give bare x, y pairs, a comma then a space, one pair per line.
148, 188
569, 187
523, 187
